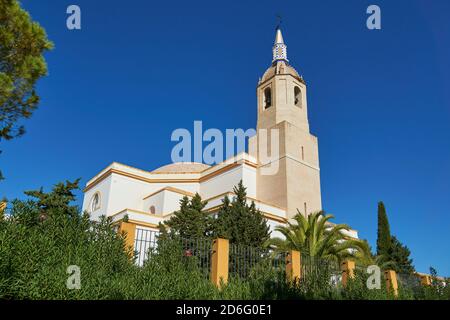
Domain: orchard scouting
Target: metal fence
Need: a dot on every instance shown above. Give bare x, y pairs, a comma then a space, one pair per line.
200, 250
320, 270
145, 241
410, 283
243, 260
146, 244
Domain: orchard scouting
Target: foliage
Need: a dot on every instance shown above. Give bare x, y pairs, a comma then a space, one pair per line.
191, 221
316, 237
399, 254
35, 253
240, 222
390, 251
364, 257
439, 288
22, 44
357, 288
383, 233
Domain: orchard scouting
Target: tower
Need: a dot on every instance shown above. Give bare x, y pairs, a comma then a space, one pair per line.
282, 106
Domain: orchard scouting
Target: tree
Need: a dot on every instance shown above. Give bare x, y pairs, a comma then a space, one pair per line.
384, 233
191, 221
316, 237
240, 222
365, 257
22, 44
58, 200
43, 205
399, 254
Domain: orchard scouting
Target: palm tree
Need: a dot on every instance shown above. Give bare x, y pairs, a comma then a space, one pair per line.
364, 257
316, 237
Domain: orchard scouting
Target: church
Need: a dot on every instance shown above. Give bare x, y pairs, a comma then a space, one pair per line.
147, 198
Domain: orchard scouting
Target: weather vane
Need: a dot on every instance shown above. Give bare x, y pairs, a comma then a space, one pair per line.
279, 21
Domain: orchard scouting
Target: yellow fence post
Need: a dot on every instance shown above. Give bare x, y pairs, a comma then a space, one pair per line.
219, 261
347, 268
293, 265
391, 281
425, 280
3, 205
130, 231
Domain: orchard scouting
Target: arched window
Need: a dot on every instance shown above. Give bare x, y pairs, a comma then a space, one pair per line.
267, 98
298, 97
95, 202
303, 153
152, 210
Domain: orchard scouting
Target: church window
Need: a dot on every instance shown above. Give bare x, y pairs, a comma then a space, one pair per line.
95, 202
297, 96
303, 153
152, 210
267, 98
306, 211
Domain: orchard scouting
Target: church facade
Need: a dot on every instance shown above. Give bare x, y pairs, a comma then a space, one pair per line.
150, 197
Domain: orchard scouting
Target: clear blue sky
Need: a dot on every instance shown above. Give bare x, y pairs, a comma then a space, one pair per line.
379, 101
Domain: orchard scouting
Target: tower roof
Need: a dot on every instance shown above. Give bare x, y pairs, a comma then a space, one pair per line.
279, 47
279, 36
280, 63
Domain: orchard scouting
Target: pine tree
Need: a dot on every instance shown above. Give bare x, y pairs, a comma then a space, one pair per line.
191, 221
239, 222
57, 201
22, 64
399, 254
384, 233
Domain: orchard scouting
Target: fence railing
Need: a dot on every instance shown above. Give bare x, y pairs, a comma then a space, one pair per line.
201, 250
218, 260
144, 243
320, 270
243, 260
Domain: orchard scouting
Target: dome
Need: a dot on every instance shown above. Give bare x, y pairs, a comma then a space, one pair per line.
280, 67
182, 167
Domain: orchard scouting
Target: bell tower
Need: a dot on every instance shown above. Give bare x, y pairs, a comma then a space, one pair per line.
283, 108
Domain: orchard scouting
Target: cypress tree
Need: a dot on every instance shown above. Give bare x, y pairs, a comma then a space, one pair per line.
191, 221
384, 233
399, 254
240, 222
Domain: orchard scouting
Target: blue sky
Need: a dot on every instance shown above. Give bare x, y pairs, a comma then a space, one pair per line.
379, 101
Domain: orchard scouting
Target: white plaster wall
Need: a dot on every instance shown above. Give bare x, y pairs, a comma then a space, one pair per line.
249, 180
104, 188
171, 201
226, 181
274, 234
156, 200
126, 193
129, 193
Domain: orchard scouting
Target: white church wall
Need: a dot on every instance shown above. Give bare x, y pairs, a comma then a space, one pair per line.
103, 188
139, 216
156, 200
272, 224
226, 181
126, 193
130, 193
171, 201
249, 180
